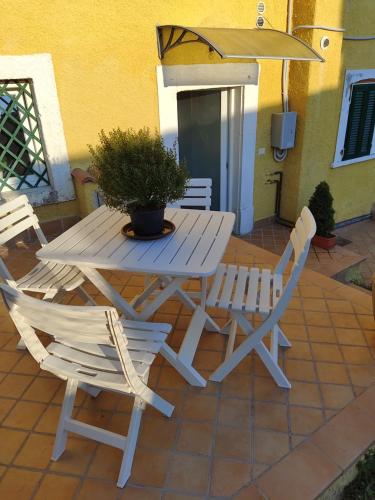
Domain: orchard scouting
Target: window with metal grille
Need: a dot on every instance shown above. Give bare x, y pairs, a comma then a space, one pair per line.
361, 120
22, 158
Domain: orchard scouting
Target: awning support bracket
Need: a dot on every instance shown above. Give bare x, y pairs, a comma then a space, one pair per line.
170, 44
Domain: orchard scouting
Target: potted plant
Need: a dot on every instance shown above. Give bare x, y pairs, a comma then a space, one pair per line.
321, 206
138, 175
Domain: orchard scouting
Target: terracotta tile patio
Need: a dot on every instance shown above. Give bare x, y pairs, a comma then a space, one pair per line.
244, 438
273, 237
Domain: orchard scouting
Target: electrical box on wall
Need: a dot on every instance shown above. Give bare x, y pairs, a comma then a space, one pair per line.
283, 130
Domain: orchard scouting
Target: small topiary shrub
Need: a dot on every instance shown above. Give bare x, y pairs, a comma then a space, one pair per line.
321, 206
135, 171
363, 485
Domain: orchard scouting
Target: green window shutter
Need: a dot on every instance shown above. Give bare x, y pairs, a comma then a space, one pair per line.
361, 119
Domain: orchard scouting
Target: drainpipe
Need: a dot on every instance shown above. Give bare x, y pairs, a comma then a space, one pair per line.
279, 155
279, 183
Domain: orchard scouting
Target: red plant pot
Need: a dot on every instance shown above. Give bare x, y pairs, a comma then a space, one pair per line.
325, 242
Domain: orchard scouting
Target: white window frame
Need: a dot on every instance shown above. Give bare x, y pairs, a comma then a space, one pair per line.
39, 69
352, 77
174, 79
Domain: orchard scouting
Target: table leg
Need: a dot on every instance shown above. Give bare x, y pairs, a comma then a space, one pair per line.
182, 366
211, 325
109, 292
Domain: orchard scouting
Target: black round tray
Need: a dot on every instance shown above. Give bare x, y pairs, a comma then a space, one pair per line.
168, 228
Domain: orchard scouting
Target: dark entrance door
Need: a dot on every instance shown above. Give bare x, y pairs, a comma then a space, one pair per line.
199, 129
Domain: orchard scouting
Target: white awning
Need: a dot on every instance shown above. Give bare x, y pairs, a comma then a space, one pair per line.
232, 43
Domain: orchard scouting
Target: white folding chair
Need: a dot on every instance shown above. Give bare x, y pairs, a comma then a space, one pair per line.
243, 291
53, 280
92, 346
198, 194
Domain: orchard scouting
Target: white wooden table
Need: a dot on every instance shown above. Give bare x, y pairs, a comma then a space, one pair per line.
194, 249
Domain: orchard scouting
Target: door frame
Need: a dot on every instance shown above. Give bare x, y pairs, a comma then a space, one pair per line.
174, 79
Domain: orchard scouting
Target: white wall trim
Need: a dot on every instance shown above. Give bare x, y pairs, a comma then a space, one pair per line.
174, 79
351, 77
39, 69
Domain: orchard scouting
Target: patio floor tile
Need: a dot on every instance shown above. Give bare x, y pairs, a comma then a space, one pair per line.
326, 352
271, 416
228, 476
311, 472
234, 412
332, 373
93, 489
24, 415
36, 452
300, 370
189, 473
305, 420
19, 484
266, 390
303, 393
76, 457
350, 336
232, 442
357, 355
57, 487
5, 406
221, 440
11, 442
150, 467
350, 431
13, 386
336, 396
195, 437
270, 446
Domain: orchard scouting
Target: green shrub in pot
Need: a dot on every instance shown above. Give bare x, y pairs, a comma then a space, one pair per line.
138, 175
321, 206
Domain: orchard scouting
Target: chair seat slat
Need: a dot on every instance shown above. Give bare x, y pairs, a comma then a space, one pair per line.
252, 292
277, 288
216, 285
96, 362
239, 296
264, 295
89, 376
226, 293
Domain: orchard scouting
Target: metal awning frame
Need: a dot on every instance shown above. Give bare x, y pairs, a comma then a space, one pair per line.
173, 42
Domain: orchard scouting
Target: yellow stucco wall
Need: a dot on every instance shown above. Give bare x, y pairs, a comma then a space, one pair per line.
319, 106
105, 55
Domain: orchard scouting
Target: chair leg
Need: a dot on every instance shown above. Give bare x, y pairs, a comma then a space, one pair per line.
21, 346
231, 339
89, 301
92, 390
49, 296
283, 341
272, 366
66, 412
253, 341
131, 442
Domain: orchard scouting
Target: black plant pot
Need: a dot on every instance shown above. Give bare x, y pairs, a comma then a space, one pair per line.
147, 222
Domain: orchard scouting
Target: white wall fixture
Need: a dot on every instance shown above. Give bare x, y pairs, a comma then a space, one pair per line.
324, 42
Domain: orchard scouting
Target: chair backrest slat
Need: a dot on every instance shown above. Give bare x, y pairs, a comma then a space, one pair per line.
15, 217
197, 194
99, 325
299, 242
62, 321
